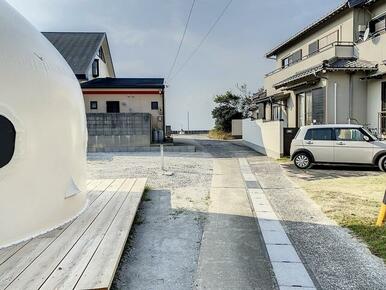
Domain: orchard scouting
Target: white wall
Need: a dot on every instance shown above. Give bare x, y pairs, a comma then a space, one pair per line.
103, 70
264, 137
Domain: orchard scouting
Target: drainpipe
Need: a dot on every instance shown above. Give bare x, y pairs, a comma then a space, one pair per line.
335, 101
350, 98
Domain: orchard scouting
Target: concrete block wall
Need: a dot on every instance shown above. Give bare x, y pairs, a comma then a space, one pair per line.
118, 132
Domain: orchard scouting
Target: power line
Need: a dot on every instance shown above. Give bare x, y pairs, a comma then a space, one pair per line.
203, 39
182, 40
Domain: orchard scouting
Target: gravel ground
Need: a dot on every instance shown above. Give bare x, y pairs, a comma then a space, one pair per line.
163, 247
189, 169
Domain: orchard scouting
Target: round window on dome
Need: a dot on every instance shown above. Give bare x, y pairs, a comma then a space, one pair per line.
7, 141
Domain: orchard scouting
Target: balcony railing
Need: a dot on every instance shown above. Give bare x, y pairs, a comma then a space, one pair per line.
321, 50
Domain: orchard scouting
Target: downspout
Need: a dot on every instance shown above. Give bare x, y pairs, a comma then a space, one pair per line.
350, 101
335, 101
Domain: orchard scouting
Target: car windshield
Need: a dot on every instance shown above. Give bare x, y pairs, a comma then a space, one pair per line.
370, 134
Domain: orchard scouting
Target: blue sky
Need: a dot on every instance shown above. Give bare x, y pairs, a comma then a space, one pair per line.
144, 36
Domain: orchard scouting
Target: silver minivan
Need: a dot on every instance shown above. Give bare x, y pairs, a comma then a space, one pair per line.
341, 144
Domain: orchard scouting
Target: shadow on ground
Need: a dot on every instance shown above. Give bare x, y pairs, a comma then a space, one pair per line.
318, 172
165, 243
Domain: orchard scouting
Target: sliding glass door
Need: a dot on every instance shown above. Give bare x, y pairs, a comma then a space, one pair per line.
311, 107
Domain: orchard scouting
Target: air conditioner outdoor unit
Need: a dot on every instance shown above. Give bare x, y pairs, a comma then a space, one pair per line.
362, 28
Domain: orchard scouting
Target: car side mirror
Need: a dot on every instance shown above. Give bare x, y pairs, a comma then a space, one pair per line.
366, 138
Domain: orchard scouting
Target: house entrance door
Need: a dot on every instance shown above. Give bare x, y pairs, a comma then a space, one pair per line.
112, 107
288, 135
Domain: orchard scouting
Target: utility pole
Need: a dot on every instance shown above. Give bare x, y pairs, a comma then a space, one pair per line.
188, 122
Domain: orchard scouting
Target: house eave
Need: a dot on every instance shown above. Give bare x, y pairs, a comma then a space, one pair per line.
293, 39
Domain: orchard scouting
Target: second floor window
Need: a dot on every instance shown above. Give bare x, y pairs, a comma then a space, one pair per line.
293, 58
101, 54
378, 24
313, 47
95, 68
329, 39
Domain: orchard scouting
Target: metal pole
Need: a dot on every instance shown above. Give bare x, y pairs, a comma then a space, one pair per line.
382, 213
162, 157
188, 122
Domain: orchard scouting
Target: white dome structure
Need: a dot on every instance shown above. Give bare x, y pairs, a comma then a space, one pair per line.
43, 133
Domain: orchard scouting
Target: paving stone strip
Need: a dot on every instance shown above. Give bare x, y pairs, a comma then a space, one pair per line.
288, 268
232, 254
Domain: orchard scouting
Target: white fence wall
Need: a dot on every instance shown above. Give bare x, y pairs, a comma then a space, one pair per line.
264, 137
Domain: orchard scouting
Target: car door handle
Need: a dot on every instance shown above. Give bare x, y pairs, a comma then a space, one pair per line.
340, 143
309, 142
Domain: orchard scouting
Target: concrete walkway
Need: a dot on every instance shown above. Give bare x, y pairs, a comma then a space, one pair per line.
232, 254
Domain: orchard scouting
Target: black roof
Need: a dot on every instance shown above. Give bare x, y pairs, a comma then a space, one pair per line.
78, 48
124, 83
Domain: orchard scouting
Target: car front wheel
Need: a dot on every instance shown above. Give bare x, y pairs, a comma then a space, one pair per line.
302, 161
382, 163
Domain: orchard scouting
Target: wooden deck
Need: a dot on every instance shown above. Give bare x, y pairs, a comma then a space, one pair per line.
82, 254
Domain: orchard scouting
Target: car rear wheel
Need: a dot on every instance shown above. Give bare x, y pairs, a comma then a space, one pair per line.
302, 161
382, 163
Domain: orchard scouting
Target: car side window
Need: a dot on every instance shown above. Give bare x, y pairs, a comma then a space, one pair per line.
324, 134
349, 134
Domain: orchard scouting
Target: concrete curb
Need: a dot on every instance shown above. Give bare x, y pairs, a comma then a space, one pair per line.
184, 148
289, 270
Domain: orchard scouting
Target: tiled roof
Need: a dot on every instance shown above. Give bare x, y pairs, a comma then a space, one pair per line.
124, 83
308, 72
342, 64
373, 76
78, 48
272, 98
351, 64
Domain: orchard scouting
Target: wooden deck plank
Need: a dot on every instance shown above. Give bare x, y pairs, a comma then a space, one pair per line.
6, 253
99, 189
42, 267
69, 270
91, 184
31, 250
100, 271
20, 261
